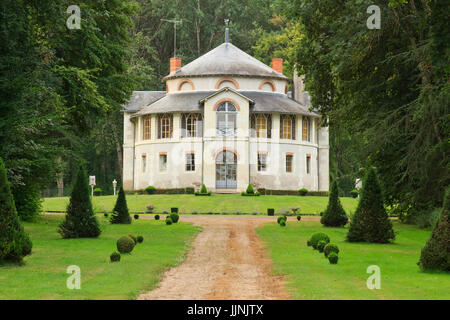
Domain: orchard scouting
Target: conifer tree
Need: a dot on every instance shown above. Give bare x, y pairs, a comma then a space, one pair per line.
371, 222
14, 242
80, 219
120, 212
436, 253
334, 215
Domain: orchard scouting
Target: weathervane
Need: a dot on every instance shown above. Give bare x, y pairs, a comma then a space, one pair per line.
175, 22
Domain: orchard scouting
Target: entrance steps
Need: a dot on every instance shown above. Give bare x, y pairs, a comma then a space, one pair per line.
227, 191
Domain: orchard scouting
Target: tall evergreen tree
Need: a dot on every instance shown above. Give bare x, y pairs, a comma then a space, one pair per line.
371, 222
334, 215
80, 220
14, 242
120, 212
436, 253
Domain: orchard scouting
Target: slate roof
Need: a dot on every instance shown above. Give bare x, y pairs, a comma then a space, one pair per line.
139, 99
267, 102
226, 60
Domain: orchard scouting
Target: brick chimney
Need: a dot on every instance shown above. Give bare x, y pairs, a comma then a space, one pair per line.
175, 64
277, 65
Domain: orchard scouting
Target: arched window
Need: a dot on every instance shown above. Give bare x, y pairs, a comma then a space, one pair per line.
191, 125
287, 127
306, 133
226, 119
261, 125
165, 126
146, 135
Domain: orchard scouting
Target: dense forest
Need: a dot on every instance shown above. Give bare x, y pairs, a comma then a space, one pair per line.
384, 92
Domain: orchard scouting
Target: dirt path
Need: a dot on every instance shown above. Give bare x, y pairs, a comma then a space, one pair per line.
226, 261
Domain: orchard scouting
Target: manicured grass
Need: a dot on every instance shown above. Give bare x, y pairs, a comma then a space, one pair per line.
44, 274
309, 275
229, 203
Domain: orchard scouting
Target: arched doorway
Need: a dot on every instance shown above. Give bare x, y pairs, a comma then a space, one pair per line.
226, 167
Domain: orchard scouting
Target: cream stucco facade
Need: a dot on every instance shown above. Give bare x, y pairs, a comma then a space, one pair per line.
224, 127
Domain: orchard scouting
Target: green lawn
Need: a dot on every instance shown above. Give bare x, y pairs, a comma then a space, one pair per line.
44, 274
229, 203
310, 276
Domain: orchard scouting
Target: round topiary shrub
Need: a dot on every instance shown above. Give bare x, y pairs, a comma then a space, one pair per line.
125, 244
150, 190
315, 238
303, 191
320, 245
282, 223
98, 192
329, 248
299, 217
140, 239
136, 216
354, 193
156, 216
114, 257
169, 221
133, 237
333, 258
175, 217
281, 218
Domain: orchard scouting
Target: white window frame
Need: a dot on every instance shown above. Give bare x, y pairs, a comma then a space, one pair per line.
292, 163
163, 164
229, 111
190, 165
262, 165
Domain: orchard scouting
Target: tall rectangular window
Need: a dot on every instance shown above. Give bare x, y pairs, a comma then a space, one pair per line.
262, 162
289, 158
146, 134
191, 125
308, 164
287, 127
261, 125
163, 162
190, 162
306, 129
165, 126
144, 163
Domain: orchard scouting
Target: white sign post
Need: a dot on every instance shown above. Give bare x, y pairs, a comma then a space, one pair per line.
92, 183
114, 186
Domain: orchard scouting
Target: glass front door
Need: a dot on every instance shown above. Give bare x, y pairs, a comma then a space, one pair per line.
226, 170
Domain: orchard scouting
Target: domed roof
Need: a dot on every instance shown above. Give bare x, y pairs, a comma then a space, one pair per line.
226, 60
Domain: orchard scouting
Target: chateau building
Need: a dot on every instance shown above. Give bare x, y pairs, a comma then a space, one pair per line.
225, 120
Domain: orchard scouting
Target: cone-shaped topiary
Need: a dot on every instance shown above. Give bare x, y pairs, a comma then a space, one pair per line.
120, 213
203, 189
435, 255
250, 189
14, 242
334, 215
370, 222
80, 221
